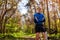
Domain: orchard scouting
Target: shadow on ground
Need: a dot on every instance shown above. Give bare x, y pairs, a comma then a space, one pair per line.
9, 37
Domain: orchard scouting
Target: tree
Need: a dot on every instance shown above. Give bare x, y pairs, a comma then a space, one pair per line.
7, 8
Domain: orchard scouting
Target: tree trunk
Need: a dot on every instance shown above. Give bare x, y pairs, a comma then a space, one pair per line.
48, 15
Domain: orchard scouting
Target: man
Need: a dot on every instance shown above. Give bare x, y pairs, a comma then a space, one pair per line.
39, 19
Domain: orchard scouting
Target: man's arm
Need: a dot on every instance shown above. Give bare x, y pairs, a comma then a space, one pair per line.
36, 18
43, 18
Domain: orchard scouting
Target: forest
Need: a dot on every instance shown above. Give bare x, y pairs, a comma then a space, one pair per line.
17, 22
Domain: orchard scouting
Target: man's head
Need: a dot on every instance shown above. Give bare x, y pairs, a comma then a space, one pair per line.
38, 10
